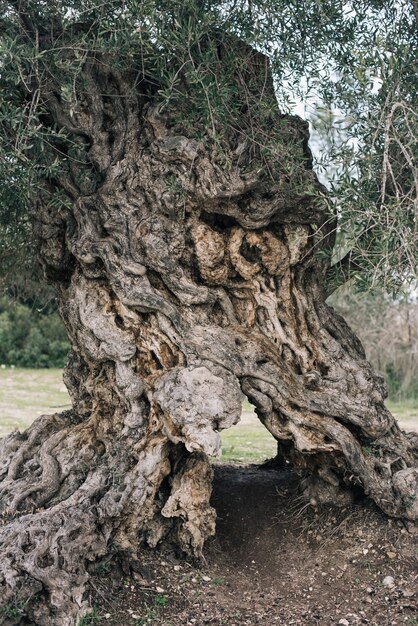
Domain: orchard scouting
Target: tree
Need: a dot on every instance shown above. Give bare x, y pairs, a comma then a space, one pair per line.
178, 217
388, 329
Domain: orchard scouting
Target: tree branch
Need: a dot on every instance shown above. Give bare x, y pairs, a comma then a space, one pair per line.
341, 272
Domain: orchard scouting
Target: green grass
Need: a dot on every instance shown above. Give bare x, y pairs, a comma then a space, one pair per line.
25, 394
405, 410
248, 441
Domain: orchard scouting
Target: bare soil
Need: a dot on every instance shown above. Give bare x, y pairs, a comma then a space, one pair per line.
274, 561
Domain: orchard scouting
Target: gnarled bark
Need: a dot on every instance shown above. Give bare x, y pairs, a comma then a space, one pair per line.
183, 282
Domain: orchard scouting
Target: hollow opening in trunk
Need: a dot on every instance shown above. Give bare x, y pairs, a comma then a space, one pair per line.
249, 441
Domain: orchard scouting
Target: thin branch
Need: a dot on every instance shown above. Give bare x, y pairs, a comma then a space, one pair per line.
341, 272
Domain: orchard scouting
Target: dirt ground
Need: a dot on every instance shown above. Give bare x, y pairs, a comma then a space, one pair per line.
274, 561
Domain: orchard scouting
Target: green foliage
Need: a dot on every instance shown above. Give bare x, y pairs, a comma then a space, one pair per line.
91, 619
371, 447
408, 503
152, 612
13, 611
31, 337
160, 601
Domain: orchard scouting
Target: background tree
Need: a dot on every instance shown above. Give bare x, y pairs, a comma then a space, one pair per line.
177, 215
389, 333
31, 332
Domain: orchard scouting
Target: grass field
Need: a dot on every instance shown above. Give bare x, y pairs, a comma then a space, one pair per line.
25, 394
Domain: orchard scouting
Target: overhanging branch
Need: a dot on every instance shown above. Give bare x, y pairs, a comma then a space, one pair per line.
341, 272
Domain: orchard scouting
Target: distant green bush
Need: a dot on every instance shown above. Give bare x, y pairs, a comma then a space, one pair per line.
30, 337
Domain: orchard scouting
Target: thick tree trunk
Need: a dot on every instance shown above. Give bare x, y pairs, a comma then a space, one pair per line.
183, 282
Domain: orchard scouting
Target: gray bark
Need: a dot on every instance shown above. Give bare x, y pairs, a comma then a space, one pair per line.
183, 282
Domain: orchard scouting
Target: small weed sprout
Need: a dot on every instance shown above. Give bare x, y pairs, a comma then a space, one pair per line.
160, 601
14, 611
91, 619
408, 503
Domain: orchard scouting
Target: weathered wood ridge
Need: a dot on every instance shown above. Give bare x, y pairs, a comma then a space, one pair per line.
185, 279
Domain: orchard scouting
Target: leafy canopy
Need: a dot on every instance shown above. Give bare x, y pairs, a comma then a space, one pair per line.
353, 65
